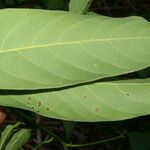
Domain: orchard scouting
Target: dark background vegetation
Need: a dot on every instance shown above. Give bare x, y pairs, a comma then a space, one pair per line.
116, 8
137, 130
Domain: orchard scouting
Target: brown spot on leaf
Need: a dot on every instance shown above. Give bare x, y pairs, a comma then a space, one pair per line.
32, 107
29, 98
39, 103
66, 118
47, 109
85, 97
97, 109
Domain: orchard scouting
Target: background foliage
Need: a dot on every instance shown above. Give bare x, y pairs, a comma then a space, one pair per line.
106, 7
138, 129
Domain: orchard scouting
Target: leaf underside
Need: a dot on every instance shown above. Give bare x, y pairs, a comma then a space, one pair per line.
52, 50
105, 101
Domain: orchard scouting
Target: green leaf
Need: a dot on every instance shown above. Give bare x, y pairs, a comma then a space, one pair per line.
79, 6
18, 139
104, 101
7, 134
52, 49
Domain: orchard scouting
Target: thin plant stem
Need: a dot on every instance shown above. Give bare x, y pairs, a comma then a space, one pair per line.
96, 142
44, 142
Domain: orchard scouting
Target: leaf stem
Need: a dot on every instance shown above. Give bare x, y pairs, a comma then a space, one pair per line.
44, 142
96, 142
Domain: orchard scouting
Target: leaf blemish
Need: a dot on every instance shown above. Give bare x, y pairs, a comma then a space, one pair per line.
85, 97
97, 109
29, 98
47, 109
39, 103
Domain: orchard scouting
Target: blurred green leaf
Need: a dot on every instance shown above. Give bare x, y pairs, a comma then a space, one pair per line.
18, 139
79, 6
6, 135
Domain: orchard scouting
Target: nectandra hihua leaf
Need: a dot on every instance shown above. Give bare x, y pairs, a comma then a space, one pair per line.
52, 49
104, 101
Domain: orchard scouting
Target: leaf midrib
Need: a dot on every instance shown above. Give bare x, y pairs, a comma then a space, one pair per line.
70, 43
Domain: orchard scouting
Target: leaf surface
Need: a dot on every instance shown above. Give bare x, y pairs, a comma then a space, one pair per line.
104, 101
52, 49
